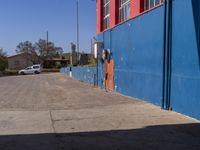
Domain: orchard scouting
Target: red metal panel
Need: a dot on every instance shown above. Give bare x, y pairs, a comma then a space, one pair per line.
135, 8
113, 13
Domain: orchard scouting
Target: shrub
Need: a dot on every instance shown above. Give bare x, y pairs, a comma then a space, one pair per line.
3, 63
8, 73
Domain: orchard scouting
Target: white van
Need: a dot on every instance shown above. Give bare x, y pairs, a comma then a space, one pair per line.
35, 69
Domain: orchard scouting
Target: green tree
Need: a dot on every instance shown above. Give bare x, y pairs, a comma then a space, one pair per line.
28, 48
25, 47
3, 60
47, 50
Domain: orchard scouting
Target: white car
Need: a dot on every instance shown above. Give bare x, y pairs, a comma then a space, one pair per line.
35, 69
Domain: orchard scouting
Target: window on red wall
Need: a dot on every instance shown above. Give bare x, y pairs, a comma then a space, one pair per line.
124, 10
106, 14
149, 4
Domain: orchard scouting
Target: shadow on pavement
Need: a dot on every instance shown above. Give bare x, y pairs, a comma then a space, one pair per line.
163, 137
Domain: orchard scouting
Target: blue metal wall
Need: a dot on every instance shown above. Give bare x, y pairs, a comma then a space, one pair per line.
185, 79
65, 70
137, 49
85, 74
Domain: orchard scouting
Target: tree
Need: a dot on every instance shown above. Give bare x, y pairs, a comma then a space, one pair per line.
3, 60
47, 50
25, 47
28, 48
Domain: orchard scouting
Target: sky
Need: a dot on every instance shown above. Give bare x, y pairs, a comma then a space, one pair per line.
22, 20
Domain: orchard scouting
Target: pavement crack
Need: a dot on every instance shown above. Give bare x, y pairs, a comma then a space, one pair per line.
52, 122
71, 119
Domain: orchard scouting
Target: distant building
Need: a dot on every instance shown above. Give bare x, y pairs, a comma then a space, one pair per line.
66, 56
56, 63
74, 58
80, 58
85, 58
22, 60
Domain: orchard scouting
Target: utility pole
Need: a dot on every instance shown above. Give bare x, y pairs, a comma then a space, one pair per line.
77, 29
47, 39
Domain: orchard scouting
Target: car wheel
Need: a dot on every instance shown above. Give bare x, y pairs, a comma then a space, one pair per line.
36, 72
22, 73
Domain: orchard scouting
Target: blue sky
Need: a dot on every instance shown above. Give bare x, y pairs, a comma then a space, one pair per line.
23, 20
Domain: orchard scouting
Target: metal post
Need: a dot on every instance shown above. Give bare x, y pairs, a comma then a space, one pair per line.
47, 37
97, 72
47, 41
77, 29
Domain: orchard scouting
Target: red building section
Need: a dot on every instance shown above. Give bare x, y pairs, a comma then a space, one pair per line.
99, 15
113, 12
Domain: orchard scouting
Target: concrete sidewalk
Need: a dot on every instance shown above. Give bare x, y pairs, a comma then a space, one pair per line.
54, 112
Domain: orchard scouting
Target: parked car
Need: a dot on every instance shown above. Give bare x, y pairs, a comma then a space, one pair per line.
35, 69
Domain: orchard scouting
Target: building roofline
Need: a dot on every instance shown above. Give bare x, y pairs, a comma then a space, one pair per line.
18, 55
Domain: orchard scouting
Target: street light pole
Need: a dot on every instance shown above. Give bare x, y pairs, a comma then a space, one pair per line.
47, 39
77, 29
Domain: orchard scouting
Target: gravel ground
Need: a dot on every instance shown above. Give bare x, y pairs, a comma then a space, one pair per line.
55, 112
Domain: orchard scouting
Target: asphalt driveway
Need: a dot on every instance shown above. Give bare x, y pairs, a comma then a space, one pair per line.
55, 112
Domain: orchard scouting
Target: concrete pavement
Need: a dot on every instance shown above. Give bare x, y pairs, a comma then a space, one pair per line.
55, 112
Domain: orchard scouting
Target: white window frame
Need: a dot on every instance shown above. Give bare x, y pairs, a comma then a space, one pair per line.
124, 10
148, 4
106, 14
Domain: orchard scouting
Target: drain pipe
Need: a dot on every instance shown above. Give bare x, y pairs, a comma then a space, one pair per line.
167, 54
164, 55
168, 105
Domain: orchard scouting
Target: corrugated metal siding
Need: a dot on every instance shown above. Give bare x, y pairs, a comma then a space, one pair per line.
85, 74
185, 83
137, 48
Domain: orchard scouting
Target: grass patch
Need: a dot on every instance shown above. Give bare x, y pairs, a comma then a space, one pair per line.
8, 73
45, 70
